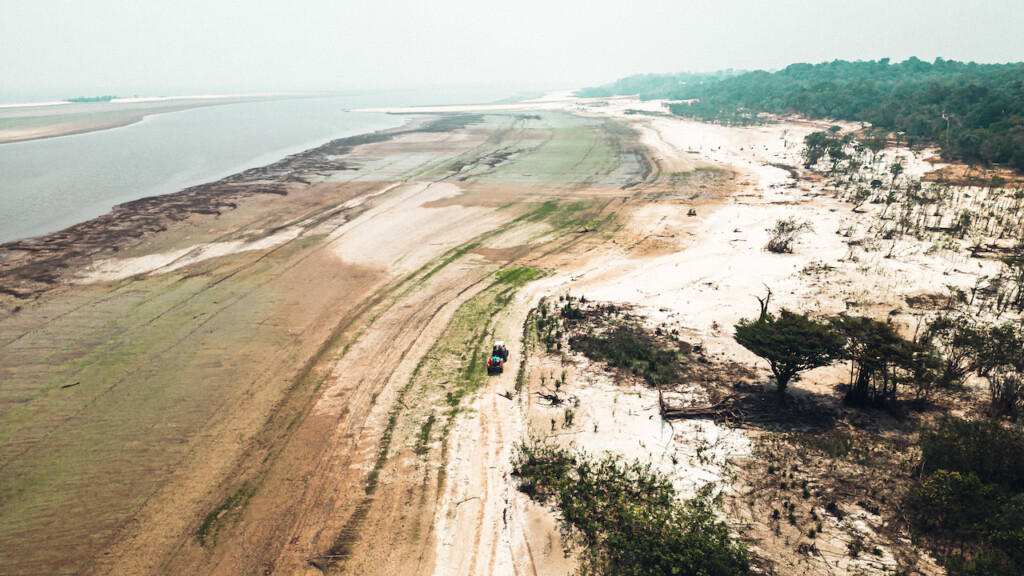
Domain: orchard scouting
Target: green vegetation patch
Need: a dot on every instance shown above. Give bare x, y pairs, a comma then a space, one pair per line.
424, 436
560, 215
452, 122
970, 507
234, 502
626, 518
629, 346
457, 360
518, 276
449, 257
580, 151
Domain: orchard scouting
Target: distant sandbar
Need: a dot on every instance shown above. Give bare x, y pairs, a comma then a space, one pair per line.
33, 121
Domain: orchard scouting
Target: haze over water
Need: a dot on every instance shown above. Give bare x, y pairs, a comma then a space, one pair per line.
50, 184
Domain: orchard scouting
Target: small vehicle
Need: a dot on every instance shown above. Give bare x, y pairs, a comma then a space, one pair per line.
496, 362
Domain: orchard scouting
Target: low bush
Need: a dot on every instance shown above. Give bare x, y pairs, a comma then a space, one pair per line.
981, 447
629, 346
970, 507
626, 518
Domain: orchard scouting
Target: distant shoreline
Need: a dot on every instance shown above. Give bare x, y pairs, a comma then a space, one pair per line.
38, 120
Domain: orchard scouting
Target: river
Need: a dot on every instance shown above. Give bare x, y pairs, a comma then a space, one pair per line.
50, 184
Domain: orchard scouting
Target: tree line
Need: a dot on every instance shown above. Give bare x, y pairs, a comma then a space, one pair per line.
972, 111
951, 348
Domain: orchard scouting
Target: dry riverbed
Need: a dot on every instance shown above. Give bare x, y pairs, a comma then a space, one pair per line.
282, 372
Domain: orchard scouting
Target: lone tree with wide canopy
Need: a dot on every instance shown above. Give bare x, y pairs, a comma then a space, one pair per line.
791, 343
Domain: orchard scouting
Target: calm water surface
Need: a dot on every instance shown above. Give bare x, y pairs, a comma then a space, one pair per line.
47, 185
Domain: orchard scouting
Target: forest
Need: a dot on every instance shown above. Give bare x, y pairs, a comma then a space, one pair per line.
972, 112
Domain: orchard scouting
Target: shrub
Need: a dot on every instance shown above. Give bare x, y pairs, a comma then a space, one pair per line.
971, 506
785, 233
949, 507
630, 347
627, 519
985, 448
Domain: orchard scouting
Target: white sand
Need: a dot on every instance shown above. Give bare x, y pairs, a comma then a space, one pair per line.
401, 212
164, 262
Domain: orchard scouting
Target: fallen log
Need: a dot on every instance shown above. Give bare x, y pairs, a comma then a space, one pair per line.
552, 398
724, 410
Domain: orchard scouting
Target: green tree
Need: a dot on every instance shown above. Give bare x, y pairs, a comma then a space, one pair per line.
982, 447
881, 359
791, 343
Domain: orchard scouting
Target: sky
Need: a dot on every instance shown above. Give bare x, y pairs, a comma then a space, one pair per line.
67, 48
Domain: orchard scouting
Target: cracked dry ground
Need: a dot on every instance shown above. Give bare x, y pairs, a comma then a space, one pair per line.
292, 383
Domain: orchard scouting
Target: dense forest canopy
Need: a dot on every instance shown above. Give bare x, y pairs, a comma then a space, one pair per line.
972, 111
656, 86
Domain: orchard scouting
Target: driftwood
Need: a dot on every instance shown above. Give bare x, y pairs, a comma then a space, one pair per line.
672, 413
724, 410
727, 410
764, 302
552, 398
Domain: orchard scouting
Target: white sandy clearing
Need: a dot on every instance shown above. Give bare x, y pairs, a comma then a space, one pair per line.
710, 283
625, 420
556, 96
35, 104
553, 105
399, 233
161, 263
706, 286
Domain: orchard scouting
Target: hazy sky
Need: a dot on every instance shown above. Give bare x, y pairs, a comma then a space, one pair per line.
91, 47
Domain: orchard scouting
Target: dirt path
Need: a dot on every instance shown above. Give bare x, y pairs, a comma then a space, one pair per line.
478, 530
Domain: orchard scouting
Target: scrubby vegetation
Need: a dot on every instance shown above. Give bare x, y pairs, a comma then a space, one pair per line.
627, 345
784, 233
990, 350
87, 99
973, 111
627, 519
652, 86
984, 220
620, 340
972, 331
970, 506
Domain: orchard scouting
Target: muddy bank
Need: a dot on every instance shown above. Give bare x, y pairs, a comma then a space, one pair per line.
33, 266
193, 383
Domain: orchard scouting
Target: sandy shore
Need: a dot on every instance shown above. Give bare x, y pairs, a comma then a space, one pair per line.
274, 373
